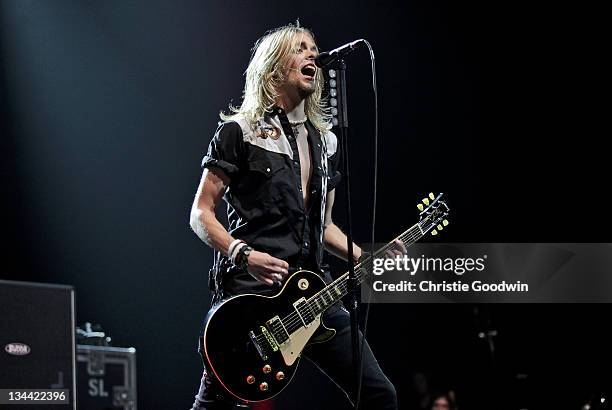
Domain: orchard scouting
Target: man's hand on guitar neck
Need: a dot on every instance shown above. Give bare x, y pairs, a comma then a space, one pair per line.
397, 248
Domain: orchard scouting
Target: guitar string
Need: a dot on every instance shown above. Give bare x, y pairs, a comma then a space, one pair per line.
340, 285
324, 299
293, 321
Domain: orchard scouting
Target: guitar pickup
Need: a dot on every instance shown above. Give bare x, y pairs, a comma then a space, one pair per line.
278, 329
269, 338
304, 312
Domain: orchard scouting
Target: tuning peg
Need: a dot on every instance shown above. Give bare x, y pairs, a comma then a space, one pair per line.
420, 207
426, 201
445, 222
440, 227
434, 232
432, 196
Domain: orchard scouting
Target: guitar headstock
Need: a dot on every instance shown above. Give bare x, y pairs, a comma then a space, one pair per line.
433, 214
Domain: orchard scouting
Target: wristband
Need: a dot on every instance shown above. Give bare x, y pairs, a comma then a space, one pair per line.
243, 257
236, 253
232, 250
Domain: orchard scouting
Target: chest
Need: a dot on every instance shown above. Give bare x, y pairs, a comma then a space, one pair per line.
305, 155
284, 172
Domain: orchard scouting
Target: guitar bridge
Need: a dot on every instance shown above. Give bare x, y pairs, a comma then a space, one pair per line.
268, 339
258, 347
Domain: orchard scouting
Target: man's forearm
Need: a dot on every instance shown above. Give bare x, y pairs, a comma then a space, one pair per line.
335, 243
208, 228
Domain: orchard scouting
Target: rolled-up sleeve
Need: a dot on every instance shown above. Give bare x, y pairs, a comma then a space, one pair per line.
334, 175
225, 149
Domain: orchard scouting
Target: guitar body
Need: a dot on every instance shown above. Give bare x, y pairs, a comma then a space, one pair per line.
245, 344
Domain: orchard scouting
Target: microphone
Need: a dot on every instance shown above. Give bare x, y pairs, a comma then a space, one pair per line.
329, 57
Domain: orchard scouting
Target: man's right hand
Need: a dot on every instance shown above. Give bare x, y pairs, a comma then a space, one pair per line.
266, 268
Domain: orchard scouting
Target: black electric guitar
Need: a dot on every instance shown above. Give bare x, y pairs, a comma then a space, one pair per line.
252, 343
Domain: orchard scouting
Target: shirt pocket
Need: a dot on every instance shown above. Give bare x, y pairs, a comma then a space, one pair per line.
264, 181
267, 167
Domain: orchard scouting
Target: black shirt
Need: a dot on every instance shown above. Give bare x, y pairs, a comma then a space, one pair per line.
265, 204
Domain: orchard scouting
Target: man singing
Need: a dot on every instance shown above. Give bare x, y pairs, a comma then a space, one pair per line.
274, 161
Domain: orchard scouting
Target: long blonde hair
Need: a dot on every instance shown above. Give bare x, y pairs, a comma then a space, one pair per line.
264, 76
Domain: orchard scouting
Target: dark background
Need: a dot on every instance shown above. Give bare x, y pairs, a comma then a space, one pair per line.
108, 107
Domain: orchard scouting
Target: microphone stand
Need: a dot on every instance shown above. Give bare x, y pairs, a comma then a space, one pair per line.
352, 282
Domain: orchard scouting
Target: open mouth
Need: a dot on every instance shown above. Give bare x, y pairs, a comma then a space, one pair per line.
309, 70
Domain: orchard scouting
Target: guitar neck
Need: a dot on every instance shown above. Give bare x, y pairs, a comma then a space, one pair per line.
336, 290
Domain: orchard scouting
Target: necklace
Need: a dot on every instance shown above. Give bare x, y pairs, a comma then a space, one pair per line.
295, 125
298, 122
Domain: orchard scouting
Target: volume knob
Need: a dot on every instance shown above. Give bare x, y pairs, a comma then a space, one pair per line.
280, 376
250, 379
263, 386
267, 369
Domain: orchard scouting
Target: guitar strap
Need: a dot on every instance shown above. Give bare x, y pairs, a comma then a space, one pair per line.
201, 349
324, 180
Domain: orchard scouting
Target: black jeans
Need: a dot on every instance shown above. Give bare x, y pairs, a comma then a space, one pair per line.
334, 359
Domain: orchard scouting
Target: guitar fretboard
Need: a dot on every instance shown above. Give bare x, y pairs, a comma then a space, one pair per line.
336, 290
